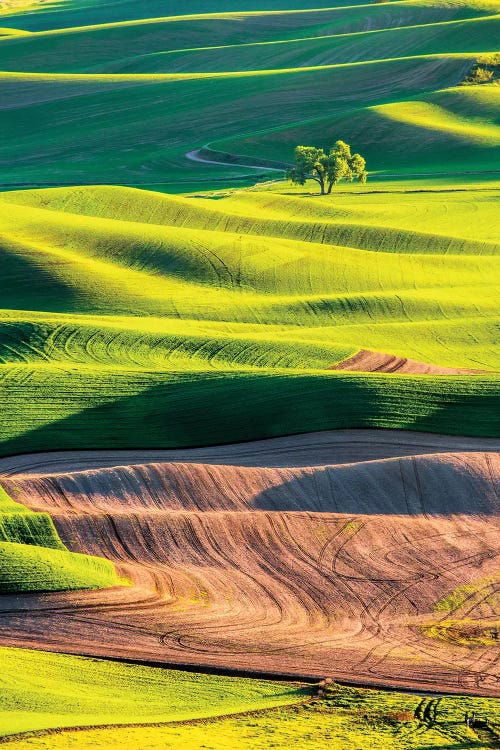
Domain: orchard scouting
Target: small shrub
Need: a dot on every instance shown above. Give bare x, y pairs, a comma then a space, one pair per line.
480, 75
486, 69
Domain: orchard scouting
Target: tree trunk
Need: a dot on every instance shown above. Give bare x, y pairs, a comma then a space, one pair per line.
320, 179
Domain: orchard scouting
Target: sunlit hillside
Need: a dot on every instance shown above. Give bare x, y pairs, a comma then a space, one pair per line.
102, 92
125, 306
249, 428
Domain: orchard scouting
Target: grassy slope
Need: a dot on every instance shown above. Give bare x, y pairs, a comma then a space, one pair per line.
24, 567
33, 558
21, 526
42, 690
155, 122
448, 130
378, 57
77, 691
40, 16
257, 41
193, 305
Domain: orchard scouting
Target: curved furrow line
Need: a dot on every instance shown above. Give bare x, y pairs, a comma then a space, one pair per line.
254, 566
372, 361
464, 483
330, 447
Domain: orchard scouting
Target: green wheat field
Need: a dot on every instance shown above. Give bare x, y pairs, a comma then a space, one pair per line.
164, 286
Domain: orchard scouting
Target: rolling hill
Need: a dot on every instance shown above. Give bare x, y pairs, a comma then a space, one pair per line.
95, 92
52, 691
133, 318
381, 572
274, 414
33, 557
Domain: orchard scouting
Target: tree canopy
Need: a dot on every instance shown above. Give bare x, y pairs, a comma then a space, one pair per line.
327, 169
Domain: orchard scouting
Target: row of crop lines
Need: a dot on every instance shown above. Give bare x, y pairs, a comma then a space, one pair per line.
374, 83
128, 349
445, 213
166, 40
79, 407
245, 222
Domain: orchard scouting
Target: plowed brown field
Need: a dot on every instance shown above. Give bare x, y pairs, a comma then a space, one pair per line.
310, 449
279, 567
367, 360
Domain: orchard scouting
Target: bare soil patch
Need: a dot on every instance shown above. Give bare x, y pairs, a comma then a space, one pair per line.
310, 449
307, 571
367, 360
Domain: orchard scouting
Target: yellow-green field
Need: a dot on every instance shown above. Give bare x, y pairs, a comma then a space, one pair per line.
33, 557
155, 294
77, 692
133, 318
41, 690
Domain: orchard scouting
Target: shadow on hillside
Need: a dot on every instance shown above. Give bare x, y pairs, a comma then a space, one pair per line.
26, 284
404, 486
207, 409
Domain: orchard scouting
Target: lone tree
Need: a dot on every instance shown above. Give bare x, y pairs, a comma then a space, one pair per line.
327, 169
